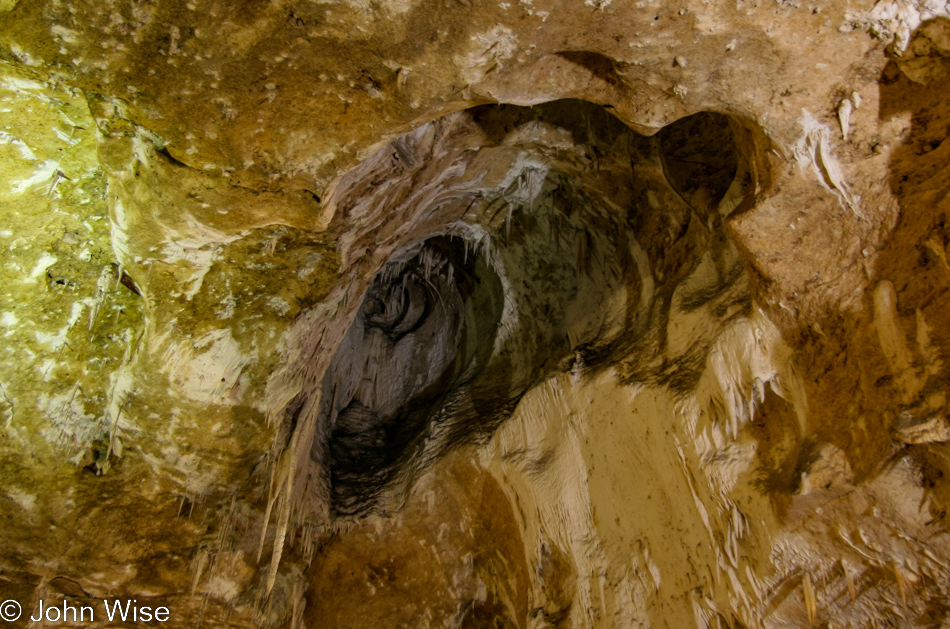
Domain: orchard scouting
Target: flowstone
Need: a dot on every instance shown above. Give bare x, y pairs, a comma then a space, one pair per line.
424, 313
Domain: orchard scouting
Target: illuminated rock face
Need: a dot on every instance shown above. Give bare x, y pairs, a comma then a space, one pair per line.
534, 314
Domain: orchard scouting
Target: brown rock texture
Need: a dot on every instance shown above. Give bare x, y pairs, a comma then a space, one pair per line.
476, 313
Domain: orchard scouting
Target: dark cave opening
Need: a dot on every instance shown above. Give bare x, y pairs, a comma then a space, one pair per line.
590, 236
425, 325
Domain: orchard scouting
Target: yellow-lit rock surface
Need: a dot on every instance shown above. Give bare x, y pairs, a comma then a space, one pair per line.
476, 313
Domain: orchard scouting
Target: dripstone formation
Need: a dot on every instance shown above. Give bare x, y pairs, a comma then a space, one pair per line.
536, 313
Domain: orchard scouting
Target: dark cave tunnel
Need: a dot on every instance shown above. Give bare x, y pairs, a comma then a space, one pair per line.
582, 251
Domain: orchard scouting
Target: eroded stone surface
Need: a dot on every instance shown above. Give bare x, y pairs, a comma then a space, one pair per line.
704, 386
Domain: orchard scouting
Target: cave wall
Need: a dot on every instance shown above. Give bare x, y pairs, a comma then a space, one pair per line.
474, 314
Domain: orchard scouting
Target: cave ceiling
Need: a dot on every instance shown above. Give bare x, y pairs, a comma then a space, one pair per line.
476, 313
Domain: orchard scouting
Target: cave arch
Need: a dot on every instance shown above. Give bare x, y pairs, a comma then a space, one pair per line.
574, 235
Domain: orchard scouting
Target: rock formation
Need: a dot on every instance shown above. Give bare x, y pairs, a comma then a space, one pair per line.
476, 313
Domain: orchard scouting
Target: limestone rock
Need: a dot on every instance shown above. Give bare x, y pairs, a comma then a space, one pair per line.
470, 313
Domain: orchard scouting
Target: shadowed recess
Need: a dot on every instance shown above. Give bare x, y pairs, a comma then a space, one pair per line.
581, 238
424, 323
699, 157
